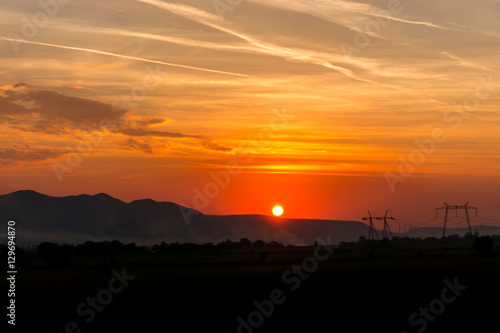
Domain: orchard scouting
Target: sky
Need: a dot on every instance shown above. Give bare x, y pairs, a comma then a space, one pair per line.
329, 108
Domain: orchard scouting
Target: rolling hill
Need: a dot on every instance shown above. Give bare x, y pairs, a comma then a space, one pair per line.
76, 219
85, 217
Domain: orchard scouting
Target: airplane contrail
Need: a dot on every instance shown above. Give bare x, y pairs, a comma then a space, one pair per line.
216, 22
122, 56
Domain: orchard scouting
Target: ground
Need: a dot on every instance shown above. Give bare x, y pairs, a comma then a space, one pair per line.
356, 289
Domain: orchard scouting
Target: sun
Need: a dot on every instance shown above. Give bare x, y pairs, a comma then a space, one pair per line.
277, 210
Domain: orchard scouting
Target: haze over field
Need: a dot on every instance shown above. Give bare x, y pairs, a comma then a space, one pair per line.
77, 219
327, 108
100, 217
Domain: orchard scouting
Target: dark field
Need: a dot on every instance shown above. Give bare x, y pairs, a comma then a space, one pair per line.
357, 289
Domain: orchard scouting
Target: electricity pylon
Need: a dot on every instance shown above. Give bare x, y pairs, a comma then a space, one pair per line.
387, 230
371, 230
456, 207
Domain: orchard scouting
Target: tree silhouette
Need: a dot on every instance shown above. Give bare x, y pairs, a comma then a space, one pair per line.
245, 243
56, 255
259, 243
484, 246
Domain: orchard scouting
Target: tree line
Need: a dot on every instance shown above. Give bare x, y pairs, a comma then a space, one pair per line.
59, 255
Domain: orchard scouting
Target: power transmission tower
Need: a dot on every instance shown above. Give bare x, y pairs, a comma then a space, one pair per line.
456, 207
387, 230
371, 230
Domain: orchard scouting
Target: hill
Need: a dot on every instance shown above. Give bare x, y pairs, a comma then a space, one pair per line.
84, 217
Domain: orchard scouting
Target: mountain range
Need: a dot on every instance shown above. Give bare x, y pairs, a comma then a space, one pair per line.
76, 219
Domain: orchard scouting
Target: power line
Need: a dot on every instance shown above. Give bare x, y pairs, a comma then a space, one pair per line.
486, 218
426, 222
372, 231
447, 207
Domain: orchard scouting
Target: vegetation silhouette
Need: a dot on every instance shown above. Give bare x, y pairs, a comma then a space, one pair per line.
484, 246
57, 255
206, 287
60, 255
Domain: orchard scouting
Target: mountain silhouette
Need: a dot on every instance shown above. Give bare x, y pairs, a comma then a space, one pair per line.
75, 219
79, 218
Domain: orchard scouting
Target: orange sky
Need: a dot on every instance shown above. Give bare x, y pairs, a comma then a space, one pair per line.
320, 105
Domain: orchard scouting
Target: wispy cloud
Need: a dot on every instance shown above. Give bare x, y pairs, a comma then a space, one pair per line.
51, 115
14, 155
31, 109
216, 22
242, 47
212, 145
349, 14
106, 7
121, 56
253, 45
163, 134
143, 146
463, 62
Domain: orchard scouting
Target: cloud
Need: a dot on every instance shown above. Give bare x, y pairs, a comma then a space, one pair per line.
14, 40
17, 154
463, 62
152, 133
50, 113
146, 120
251, 46
216, 22
212, 145
143, 146
168, 39
352, 15
31, 109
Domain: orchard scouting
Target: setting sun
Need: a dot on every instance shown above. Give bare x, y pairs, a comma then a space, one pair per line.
277, 210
